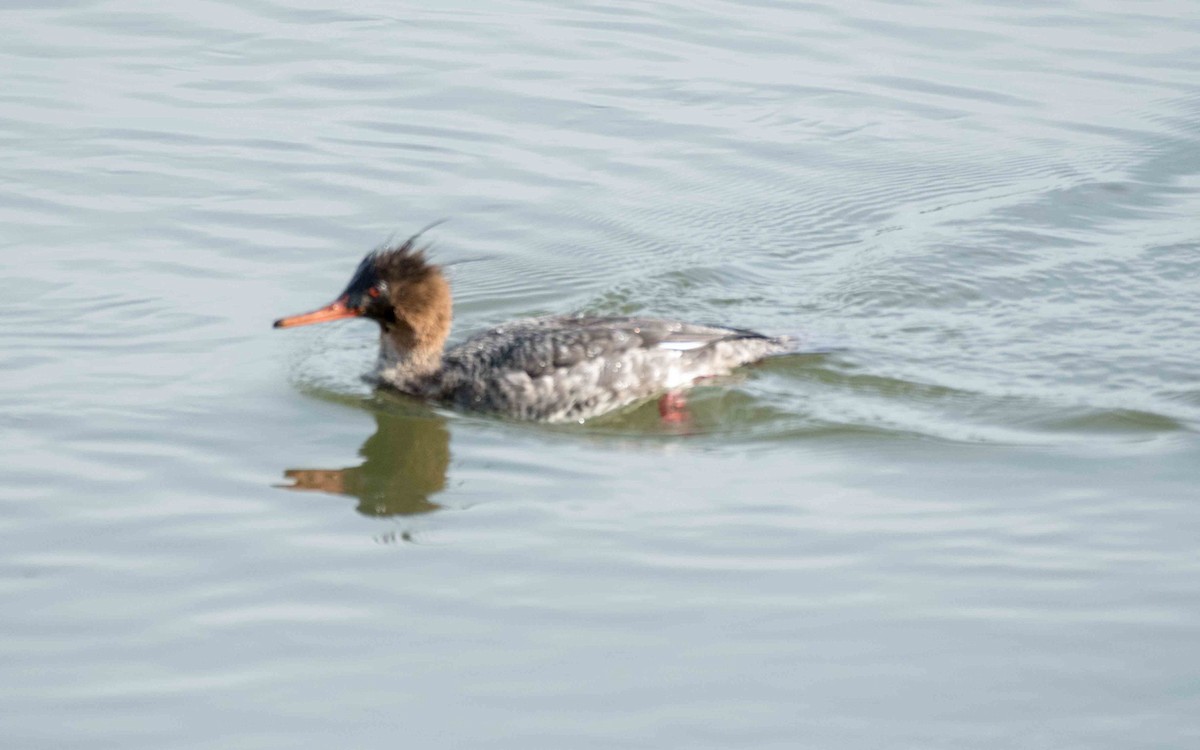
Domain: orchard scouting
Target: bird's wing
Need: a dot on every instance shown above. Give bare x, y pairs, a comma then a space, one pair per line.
539, 345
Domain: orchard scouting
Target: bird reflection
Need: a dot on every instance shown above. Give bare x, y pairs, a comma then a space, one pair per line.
405, 463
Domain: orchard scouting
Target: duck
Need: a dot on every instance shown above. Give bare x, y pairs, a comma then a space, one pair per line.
560, 368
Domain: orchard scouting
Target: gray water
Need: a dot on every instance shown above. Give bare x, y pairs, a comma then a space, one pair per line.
973, 526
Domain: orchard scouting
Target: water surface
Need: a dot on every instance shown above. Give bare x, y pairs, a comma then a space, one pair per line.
974, 525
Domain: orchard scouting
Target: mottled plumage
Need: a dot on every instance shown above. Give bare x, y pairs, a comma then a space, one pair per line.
573, 368
555, 369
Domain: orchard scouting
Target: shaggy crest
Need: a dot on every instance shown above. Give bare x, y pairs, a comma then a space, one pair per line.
404, 261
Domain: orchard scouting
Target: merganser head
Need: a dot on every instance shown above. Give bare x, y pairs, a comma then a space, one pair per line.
402, 292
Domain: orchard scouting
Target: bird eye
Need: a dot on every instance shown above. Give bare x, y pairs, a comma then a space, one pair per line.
373, 292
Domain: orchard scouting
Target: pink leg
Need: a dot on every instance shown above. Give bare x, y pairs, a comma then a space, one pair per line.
672, 407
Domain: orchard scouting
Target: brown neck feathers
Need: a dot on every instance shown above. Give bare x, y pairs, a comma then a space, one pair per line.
423, 313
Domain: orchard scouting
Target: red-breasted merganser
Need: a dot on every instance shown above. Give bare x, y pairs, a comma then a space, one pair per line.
553, 369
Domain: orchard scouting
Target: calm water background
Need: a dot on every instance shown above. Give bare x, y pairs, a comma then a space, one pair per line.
975, 527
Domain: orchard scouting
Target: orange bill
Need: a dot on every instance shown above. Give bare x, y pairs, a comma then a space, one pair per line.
334, 311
